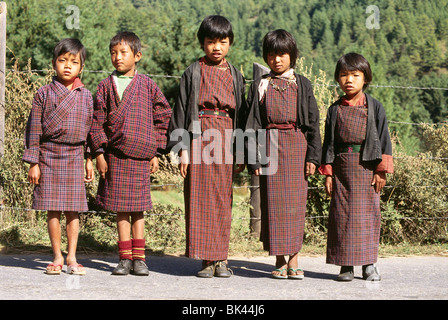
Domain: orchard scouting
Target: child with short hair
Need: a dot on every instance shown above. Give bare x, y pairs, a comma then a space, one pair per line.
211, 98
131, 117
55, 145
282, 103
357, 154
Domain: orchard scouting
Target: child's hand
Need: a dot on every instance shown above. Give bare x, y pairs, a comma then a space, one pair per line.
89, 171
183, 165
379, 181
329, 185
101, 165
34, 174
310, 168
154, 164
257, 172
239, 168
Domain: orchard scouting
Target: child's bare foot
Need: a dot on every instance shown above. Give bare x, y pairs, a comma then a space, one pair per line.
56, 266
281, 268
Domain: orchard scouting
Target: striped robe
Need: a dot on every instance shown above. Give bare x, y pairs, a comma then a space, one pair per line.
284, 193
55, 138
130, 131
208, 186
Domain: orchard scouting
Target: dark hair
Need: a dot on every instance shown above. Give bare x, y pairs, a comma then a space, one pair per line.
129, 38
73, 46
280, 41
352, 62
215, 27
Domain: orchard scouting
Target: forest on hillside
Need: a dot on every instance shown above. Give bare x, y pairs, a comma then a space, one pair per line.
406, 42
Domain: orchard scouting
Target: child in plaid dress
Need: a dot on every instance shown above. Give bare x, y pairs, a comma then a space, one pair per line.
357, 154
211, 100
55, 141
131, 117
283, 104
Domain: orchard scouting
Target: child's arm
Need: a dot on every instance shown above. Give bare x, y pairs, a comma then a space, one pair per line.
310, 169
183, 165
329, 185
154, 164
89, 170
34, 174
101, 165
379, 181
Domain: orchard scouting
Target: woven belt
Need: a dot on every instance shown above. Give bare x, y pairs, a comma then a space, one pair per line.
216, 113
281, 126
350, 148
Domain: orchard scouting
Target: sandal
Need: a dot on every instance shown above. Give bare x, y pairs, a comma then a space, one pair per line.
56, 269
299, 276
76, 269
281, 275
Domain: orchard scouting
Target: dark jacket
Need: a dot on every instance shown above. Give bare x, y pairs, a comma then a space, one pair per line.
377, 140
307, 117
186, 107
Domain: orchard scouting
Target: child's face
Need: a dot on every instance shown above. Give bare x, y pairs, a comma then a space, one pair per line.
124, 60
351, 82
216, 49
68, 67
279, 62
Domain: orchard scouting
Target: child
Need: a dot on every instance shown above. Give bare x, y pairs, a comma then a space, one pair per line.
130, 121
211, 93
282, 102
357, 154
55, 141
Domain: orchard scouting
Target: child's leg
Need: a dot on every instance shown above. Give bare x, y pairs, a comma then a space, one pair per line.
72, 235
54, 231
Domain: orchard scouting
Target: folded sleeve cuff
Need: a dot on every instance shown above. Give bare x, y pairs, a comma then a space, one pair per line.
386, 165
326, 169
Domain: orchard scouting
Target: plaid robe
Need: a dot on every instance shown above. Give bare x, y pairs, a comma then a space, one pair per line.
208, 187
284, 193
129, 131
55, 138
355, 217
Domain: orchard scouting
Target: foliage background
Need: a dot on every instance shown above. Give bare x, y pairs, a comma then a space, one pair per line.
408, 51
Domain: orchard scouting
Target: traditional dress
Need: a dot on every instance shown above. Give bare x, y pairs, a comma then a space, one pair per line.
284, 189
55, 139
130, 131
355, 217
219, 93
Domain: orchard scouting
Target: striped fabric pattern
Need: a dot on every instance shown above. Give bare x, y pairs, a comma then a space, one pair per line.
355, 217
284, 193
58, 146
208, 187
129, 131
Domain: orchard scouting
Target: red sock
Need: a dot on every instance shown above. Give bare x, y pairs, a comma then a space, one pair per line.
138, 249
125, 249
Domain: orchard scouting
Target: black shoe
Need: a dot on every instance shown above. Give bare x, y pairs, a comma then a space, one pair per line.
208, 270
346, 274
370, 272
123, 268
140, 268
221, 270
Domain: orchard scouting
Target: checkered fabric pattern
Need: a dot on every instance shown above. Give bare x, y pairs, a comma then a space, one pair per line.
55, 138
284, 193
355, 217
208, 187
135, 125
351, 124
129, 131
